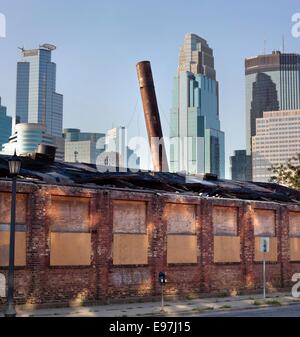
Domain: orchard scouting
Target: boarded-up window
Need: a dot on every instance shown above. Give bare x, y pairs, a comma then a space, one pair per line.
227, 249
70, 249
294, 218
129, 216
69, 214
130, 241
70, 241
20, 249
295, 249
264, 222
21, 221
180, 218
130, 249
271, 256
225, 221
182, 249
5, 208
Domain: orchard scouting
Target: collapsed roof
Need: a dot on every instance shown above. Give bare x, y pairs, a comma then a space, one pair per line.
43, 172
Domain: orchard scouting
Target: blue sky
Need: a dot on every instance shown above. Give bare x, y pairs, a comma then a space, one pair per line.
100, 41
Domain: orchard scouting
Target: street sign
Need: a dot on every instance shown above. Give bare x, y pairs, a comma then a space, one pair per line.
265, 245
264, 248
2, 286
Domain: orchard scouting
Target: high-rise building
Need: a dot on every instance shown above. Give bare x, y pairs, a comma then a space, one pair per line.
5, 125
197, 143
276, 141
28, 136
37, 100
83, 147
272, 84
117, 152
241, 166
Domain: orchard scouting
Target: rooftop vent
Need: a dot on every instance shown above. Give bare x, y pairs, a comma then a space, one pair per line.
46, 153
210, 177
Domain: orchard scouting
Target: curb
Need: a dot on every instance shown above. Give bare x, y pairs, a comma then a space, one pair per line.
253, 307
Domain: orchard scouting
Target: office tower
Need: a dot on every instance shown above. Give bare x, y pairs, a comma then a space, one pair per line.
276, 141
28, 136
83, 147
272, 84
37, 101
197, 143
5, 125
118, 154
241, 166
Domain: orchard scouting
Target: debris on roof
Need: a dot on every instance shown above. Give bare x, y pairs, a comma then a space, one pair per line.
58, 173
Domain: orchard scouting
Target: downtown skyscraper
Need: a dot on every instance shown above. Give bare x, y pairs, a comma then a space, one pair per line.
272, 84
39, 108
272, 106
37, 100
197, 142
5, 125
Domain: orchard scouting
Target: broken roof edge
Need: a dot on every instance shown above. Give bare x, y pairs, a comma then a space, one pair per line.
88, 176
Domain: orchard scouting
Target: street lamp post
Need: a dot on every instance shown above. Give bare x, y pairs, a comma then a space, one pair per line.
14, 170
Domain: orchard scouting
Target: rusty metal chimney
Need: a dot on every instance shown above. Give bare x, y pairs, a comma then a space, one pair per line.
152, 118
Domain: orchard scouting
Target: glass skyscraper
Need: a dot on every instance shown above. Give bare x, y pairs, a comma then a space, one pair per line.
272, 84
197, 143
37, 100
5, 125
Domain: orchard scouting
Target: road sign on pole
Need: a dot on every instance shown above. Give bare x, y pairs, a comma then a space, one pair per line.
264, 245
264, 248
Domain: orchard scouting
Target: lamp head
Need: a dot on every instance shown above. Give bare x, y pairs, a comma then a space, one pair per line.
14, 164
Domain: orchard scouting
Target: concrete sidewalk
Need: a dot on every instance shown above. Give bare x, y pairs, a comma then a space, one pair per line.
176, 308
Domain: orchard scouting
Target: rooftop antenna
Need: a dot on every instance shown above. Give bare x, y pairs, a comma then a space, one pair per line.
283, 43
265, 47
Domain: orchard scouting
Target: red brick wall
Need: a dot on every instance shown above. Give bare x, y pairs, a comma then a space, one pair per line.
40, 283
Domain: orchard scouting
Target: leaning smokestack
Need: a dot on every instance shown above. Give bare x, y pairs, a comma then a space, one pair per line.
153, 124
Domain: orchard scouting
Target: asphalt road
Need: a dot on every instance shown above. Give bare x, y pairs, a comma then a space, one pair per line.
282, 311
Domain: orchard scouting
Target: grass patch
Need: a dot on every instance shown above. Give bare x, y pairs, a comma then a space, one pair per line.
257, 303
190, 297
273, 302
225, 307
203, 310
209, 309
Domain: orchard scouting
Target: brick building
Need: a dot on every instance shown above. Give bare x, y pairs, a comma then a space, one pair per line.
87, 237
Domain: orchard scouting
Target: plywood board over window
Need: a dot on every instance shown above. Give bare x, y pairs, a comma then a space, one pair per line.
129, 216
227, 249
130, 249
69, 214
5, 208
295, 249
294, 220
20, 249
182, 249
264, 222
225, 221
180, 218
70, 249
